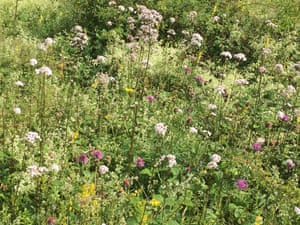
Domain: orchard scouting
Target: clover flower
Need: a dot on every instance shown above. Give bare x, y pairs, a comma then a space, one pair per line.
83, 159
54, 167
212, 165
290, 164
96, 154
50, 221
161, 129
216, 18
282, 116
103, 169
192, 15
256, 146
215, 158
172, 20
262, 69
200, 79
241, 184
139, 162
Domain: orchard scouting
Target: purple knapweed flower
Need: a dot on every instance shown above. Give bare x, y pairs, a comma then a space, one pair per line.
97, 154
151, 98
139, 162
51, 221
256, 146
200, 79
241, 184
82, 159
187, 69
282, 116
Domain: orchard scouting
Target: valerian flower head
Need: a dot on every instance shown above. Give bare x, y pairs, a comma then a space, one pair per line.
226, 54
44, 70
32, 137
240, 56
196, 40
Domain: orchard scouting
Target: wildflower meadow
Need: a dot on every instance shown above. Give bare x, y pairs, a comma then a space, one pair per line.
152, 112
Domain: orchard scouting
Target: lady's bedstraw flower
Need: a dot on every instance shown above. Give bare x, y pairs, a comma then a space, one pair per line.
161, 129
241, 184
32, 137
103, 169
33, 62
44, 70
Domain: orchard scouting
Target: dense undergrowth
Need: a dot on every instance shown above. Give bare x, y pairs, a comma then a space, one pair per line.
149, 112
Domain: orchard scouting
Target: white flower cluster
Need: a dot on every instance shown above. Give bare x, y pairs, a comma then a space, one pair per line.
46, 44
44, 70
240, 56
196, 40
171, 160
150, 20
161, 129
241, 81
32, 137
80, 39
35, 170
214, 160
226, 54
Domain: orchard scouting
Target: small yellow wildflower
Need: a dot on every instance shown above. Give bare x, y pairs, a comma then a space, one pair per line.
41, 19
144, 219
298, 119
215, 9
95, 84
129, 90
75, 136
258, 220
200, 54
154, 202
267, 42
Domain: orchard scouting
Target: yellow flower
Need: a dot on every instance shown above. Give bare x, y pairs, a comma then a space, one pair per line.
215, 9
267, 42
258, 220
144, 219
75, 136
155, 202
95, 84
298, 119
129, 90
200, 54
